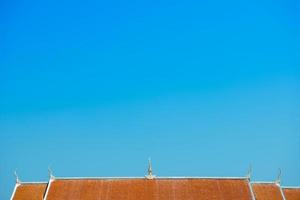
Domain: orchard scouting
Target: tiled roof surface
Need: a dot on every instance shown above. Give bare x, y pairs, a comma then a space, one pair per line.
292, 193
156, 189
266, 191
30, 191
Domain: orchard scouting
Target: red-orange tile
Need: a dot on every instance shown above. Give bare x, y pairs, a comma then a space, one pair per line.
267, 191
30, 191
143, 189
292, 193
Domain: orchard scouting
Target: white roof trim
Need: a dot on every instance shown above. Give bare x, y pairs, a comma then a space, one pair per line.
290, 187
33, 182
251, 189
263, 182
15, 189
48, 188
282, 194
175, 177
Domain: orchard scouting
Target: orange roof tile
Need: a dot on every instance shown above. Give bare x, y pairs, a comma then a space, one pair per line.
30, 191
292, 193
266, 191
161, 188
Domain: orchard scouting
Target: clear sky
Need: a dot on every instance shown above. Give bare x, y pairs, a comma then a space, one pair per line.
205, 88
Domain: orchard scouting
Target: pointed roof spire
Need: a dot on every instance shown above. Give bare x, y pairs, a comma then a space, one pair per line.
149, 167
51, 176
249, 173
17, 177
150, 174
278, 180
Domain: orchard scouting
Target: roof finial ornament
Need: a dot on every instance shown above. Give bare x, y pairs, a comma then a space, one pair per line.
150, 174
249, 173
17, 177
278, 180
50, 172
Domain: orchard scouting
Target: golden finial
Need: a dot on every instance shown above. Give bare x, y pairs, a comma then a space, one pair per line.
150, 174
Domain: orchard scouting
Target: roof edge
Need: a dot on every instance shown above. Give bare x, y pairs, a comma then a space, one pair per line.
14, 191
47, 189
290, 187
32, 182
251, 189
264, 182
174, 177
282, 194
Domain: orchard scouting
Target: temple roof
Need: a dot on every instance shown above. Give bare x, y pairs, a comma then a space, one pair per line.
291, 193
267, 191
29, 191
148, 189
152, 187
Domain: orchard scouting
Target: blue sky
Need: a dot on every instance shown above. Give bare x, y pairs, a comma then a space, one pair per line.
94, 88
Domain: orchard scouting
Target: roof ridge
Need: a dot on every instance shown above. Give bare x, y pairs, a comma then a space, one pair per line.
174, 177
33, 182
290, 187
263, 182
